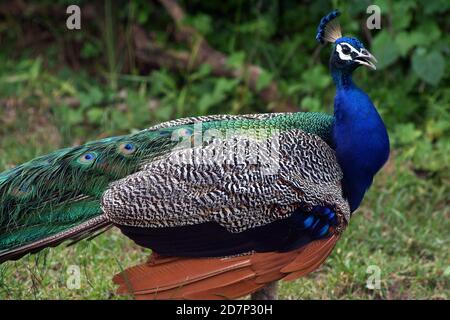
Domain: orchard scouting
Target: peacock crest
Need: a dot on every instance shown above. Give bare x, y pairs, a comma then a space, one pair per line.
329, 29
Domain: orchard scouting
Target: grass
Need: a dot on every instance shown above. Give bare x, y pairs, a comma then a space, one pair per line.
402, 229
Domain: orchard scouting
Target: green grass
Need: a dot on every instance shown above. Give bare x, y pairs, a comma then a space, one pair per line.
402, 228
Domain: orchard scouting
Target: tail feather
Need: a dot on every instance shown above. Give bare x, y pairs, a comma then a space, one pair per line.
304, 268
56, 197
172, 273
220, 278
233, 290
76, 233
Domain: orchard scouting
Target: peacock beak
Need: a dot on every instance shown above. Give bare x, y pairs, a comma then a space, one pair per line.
367, 59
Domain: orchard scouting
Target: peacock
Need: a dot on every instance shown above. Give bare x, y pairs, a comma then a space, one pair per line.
227, 203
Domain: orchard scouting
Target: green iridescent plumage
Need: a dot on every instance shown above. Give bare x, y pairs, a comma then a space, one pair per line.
41, 200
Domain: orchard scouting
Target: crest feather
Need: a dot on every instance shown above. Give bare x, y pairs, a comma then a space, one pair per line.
329, 29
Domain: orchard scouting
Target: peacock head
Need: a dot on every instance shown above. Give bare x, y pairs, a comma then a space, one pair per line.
348, 53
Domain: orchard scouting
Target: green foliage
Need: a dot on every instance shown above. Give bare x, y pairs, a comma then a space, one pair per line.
385, 49
428, 66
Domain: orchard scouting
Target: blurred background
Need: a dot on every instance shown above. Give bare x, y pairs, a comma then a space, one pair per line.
136, 63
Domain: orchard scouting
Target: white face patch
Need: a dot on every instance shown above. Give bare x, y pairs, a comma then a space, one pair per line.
342, 55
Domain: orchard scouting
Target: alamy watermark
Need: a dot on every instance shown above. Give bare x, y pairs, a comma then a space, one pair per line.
374, 20
74, 277
73, 22
258, 147
374, 280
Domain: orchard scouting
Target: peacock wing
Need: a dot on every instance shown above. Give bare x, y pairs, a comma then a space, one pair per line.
57, 196
230, 186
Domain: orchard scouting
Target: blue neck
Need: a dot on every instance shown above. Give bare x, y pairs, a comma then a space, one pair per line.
359, 136
342, 79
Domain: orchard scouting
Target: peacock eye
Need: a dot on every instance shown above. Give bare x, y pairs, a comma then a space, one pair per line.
22, 190
345, 49
87, 158
127, 148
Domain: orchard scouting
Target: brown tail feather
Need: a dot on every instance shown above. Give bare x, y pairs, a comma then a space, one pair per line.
305, 268
220, 278
232, 291
159, 277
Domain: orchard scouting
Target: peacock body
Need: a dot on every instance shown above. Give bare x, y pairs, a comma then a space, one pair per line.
227, 203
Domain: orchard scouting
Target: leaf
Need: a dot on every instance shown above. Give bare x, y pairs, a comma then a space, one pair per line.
385, 49
405, 41
424, 35
95, 115
162, 83
200, 22
143, 16
205, 102
447, 271
436, 6
164, 112
36, 68
310, 104
93, 96
236, 60
90, 50
222, 87
72, 116
315, 78
262, 27
119, 120
138, 106
428, 66
204, 70
430, 33
264, 80
436, 129
406, 134
401, 16
96, 94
